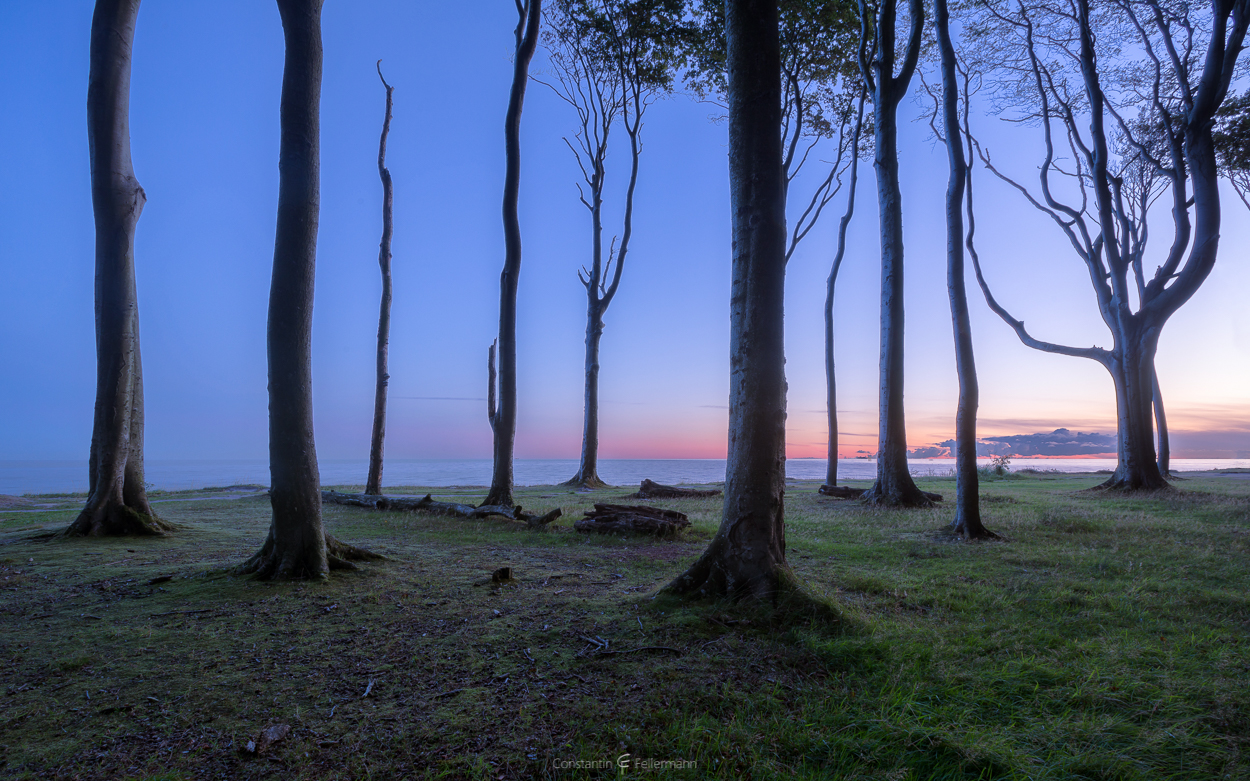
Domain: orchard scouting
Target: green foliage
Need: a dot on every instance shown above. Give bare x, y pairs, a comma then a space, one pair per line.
819, 45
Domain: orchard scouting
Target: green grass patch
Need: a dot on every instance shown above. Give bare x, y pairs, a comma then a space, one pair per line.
1105, 638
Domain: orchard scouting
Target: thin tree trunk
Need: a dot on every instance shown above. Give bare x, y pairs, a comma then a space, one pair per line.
118, 503
894, 485
374, 484
297, 545
967, 521
831, 385
503, 422
588, 470
746, 558
1161, 425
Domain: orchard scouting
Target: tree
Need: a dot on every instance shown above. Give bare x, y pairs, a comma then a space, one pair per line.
967, 522
894, 485
822, 98
747, 557
297, 545
612, 59
503, 418
831, 384
374, 483
118, 503
1153, 116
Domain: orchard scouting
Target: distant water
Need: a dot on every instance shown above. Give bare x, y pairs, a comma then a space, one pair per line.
34, 477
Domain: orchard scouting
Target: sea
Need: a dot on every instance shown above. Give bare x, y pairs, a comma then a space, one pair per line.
48, 477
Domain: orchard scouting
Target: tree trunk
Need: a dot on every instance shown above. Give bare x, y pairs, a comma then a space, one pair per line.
747, 557
297, 545
1161, 425
894, 486
503, 422
374, 483
1132, 373
967, 521
831, 385
588, 471
118, 503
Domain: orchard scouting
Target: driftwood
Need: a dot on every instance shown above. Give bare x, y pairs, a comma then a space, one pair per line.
632, 519
846, 492
652, 490
428, 506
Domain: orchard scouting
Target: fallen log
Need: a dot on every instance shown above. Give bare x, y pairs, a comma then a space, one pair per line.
842, 491
847, 492
632, 519
428, 506
653, 490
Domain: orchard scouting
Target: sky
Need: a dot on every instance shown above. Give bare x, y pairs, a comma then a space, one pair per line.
204, 128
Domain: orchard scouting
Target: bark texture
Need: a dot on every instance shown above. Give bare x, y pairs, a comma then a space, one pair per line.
503, 418
747, 557
894, 486
831, 384
632, 519
297, 545
374, 483
1161, 426
117, 504
967, 522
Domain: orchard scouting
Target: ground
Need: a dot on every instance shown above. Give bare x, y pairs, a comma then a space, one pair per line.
1105, 638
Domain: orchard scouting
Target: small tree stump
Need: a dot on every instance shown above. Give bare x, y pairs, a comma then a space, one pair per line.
652, 490
632, 519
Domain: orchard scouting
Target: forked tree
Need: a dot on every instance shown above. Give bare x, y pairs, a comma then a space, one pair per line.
894, 485
503, 418
747, 557
297, 545
117, 503
374, 483
611, 60
1181, 60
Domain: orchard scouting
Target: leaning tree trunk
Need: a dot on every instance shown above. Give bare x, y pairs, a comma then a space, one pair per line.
374, 483
1161, 426
894, 485
967, 522
297, 545
747, 557
117, 503
503, 418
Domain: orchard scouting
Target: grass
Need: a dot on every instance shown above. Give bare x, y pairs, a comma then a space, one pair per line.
1105, 639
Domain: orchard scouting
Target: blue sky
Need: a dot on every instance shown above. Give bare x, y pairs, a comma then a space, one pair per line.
204, 122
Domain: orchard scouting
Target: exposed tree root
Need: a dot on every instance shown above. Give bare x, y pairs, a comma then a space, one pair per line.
972, 531
1133, 484
592, 482
774, 600
883, 497
296, 563
114, 519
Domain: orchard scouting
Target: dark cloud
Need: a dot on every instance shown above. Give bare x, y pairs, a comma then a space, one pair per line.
929, 452
1060, 442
